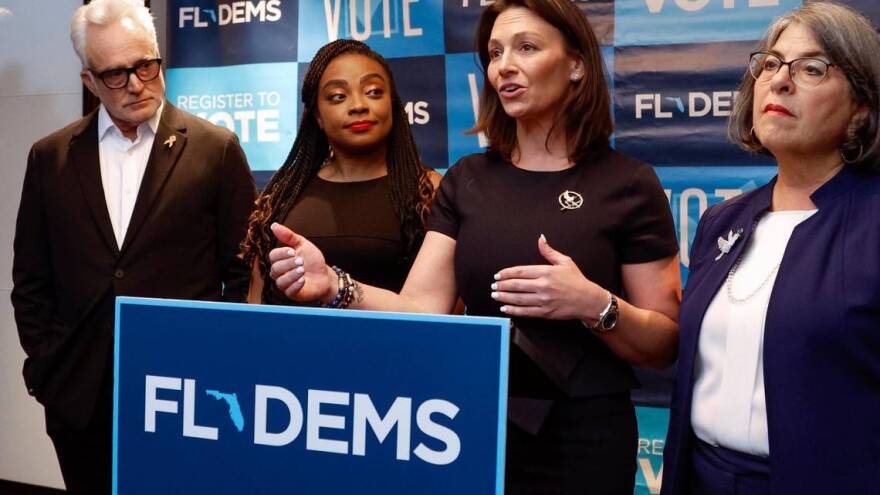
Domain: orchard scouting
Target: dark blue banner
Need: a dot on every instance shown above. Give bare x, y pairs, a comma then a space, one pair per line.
870, 8
228, 398
600, 13
422, 89
671, 104
461, 24
213, 32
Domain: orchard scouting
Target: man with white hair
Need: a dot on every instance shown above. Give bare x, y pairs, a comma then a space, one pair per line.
137, 198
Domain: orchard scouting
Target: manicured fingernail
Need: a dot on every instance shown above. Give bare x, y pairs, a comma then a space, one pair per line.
494, 286
498, 276
301, 280
494, 295
291, 252
544, 239
299, 271
503, 309
298, 261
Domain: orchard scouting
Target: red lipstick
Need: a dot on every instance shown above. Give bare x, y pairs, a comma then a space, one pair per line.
777, 109
361, 125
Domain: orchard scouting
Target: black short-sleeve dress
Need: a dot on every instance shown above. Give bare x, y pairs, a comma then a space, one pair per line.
571, 422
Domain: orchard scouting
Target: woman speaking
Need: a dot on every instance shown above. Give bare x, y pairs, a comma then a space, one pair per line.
552, 228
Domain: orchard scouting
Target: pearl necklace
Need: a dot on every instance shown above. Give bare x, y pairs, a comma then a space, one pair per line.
729, 282
741, 300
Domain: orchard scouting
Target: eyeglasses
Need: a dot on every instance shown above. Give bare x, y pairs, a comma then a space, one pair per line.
806, 72
118, 78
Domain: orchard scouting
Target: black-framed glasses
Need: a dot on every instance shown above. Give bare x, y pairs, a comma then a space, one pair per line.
806, 72
146, 70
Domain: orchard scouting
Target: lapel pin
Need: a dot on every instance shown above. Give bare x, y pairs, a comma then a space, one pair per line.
170, 141
570, 200
724, 245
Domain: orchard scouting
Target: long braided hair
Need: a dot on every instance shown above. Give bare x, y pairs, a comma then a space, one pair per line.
411, 187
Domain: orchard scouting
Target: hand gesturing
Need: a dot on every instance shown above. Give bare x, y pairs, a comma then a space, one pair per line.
299, 269
556, 291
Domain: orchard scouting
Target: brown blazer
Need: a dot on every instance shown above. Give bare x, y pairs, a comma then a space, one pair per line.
189, 218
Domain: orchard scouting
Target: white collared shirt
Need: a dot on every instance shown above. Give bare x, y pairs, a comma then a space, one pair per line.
123, 163
729, 407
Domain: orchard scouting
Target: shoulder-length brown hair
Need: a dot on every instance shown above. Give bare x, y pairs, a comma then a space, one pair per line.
584, 116
852, 44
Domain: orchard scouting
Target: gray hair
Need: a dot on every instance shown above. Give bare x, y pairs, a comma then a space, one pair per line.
853, 45
104, 13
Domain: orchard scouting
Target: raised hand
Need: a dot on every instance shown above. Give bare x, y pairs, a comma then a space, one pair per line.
558, 291
299, 269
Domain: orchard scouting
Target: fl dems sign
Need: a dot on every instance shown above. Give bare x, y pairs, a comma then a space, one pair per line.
230, 398
363, 412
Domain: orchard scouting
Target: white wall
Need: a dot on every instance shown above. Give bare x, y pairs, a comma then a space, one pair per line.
39, 92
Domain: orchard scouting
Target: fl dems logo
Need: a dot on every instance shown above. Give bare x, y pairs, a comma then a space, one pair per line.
693, 104
399, 417
231, 13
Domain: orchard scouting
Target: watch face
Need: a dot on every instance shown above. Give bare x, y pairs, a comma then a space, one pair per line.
609, 321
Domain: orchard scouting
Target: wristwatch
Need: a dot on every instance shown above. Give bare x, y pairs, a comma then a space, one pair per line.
608, 317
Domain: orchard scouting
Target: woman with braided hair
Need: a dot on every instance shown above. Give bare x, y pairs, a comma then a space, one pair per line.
353, 180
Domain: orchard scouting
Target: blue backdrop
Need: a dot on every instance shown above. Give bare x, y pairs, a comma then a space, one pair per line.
673, 66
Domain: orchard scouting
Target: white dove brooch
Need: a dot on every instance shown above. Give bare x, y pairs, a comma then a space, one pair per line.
724, 245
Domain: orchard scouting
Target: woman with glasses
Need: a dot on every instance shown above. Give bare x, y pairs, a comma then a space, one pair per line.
778, 386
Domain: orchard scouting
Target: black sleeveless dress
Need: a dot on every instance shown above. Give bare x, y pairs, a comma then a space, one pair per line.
354, 225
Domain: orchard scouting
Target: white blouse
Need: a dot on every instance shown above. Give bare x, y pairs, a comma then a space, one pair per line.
728, 408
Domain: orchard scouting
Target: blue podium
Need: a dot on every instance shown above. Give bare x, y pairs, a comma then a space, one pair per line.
230, 398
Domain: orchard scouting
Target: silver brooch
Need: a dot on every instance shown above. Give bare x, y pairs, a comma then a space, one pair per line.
724, 245
570, 200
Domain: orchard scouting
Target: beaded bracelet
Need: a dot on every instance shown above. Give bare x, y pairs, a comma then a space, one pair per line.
341, 292
345, 293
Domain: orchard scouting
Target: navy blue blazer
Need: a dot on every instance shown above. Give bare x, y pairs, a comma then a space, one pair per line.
821, 340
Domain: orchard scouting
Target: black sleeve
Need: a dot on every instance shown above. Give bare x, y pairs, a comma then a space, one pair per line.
33, 291
648, 228
444, 213
236, 200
